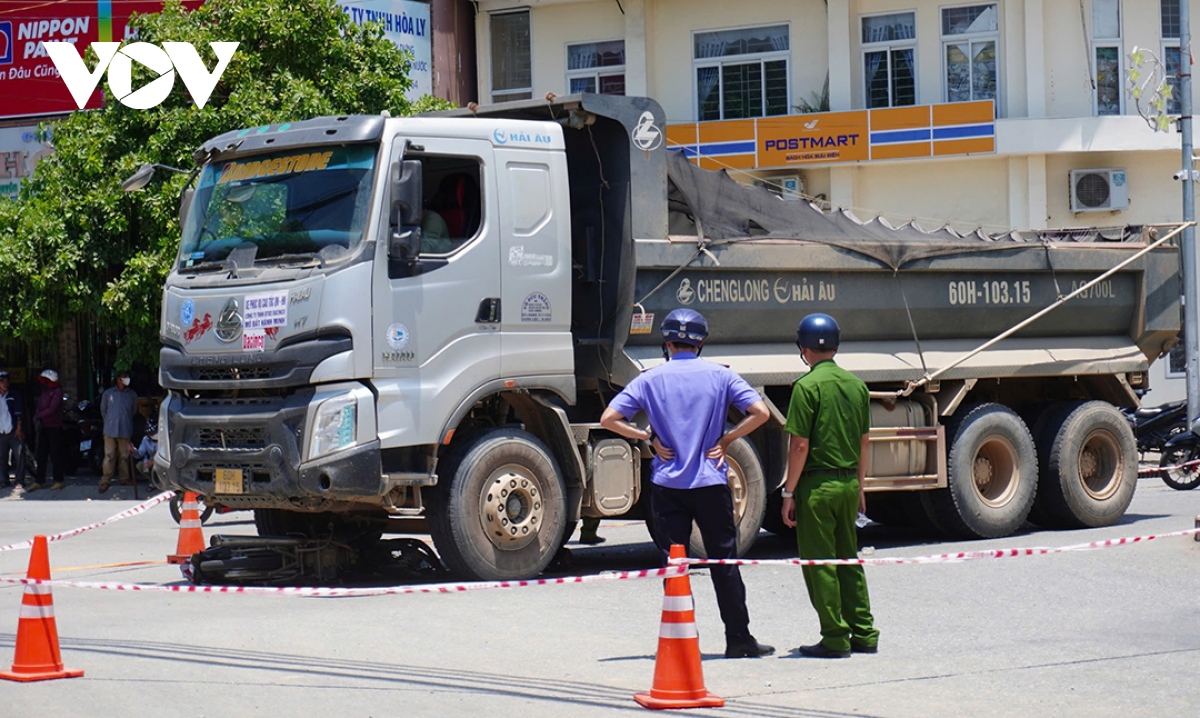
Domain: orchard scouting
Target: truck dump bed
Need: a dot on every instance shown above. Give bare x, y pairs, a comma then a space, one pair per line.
652, 232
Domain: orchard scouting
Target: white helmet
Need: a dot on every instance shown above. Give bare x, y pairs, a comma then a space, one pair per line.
50, 375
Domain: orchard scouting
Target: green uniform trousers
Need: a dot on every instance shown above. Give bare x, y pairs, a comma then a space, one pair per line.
826, 507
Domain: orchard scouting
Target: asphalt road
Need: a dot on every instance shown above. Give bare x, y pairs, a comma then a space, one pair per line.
1103, 633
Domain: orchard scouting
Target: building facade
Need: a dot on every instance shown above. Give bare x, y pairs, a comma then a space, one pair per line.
1012, 114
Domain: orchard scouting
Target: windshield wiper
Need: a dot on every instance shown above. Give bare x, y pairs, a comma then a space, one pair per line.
208, 266
310, 260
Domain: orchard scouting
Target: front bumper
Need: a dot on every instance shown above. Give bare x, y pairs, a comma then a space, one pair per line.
263, 439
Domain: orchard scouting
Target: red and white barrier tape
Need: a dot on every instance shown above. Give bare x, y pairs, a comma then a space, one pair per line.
323, 592
140, 508
939, 558
1159, 469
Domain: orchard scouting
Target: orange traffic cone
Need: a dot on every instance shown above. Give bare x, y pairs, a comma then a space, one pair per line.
678, 680
191, 537
37, 657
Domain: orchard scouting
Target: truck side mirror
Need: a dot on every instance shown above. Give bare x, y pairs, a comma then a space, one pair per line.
407, 210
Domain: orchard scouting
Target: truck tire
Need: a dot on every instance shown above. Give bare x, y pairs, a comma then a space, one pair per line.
746, 483
1088, 466
499, 509
992, 473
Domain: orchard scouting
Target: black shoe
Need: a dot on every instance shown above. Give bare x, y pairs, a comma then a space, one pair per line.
818, 650
749, 648
856, 647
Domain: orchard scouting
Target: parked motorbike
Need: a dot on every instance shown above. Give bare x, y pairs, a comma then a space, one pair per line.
84, 436
1164, 429
1177, 469
1154, 427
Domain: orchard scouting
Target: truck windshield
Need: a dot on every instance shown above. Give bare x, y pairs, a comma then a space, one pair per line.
292, 206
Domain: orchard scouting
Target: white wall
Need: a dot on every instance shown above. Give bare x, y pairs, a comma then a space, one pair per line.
672, 77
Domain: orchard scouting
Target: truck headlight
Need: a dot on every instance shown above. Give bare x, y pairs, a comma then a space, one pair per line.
334, 426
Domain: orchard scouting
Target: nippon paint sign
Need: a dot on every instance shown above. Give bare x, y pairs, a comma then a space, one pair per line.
30, 84
20, 152
406, 24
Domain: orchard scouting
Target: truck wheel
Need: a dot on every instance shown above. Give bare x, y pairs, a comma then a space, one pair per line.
992, 470
1089, 466
499, 509
749, 497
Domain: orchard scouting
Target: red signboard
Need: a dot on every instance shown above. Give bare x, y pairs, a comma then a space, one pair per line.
29, 82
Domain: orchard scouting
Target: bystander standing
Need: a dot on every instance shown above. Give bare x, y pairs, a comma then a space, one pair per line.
49, 418
12, 436
118, 404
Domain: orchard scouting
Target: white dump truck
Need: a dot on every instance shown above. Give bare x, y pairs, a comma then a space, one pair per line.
376, 318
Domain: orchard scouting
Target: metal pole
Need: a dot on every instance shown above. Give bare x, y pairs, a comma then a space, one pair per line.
1191, 298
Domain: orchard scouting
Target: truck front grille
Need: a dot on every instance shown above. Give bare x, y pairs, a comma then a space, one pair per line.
231, 373
233, 438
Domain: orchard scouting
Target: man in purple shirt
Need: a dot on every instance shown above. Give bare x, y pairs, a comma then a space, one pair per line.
686, 401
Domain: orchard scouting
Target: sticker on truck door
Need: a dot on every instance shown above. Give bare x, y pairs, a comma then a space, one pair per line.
536, 308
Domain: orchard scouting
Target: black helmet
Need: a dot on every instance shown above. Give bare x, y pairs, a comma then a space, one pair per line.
151, 427
685, 326
819, 332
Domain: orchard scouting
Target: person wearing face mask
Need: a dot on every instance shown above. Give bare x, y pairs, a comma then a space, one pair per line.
829, 417
117, 407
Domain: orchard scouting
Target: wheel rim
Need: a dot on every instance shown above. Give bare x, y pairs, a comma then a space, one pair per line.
1100, 470
996, 471
511, 510
737, 487
1177, 456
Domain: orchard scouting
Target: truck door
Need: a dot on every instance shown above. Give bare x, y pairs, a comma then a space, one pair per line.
535, 259
436, 332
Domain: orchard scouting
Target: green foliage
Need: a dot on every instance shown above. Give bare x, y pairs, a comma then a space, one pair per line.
73, 244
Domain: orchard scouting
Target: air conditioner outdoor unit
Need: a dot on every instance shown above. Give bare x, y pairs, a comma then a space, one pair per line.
1099, 190
787, 187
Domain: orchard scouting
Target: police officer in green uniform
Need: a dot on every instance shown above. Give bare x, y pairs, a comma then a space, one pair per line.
828, 419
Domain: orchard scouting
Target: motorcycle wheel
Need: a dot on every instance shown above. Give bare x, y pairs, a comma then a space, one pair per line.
1180, 478
176, 504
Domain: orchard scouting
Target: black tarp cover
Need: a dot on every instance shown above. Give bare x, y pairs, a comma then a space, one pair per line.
727, 211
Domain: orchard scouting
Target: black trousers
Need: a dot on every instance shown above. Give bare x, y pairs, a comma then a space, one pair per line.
50, 447
10, 442
711, 508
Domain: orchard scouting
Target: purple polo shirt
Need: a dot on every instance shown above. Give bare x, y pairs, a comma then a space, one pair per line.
687, 401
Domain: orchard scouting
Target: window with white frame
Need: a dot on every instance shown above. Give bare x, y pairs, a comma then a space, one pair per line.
1169, 22
596, 67
1106, 56
741, 73
1177, 359
889, 46
512, 58
970, 36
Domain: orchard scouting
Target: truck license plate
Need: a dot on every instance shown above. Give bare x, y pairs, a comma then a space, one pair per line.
229, 481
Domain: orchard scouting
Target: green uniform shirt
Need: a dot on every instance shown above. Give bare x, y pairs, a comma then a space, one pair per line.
832, 409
